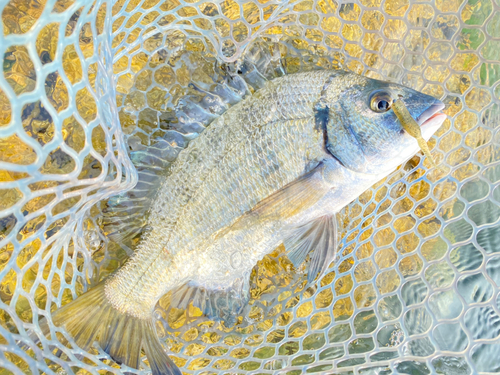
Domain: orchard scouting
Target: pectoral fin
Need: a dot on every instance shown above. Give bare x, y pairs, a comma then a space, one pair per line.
285, 203
318, 237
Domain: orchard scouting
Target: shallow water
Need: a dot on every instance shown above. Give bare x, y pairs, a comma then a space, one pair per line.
415, 287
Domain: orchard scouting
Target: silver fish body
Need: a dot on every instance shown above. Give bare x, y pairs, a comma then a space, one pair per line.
252, 151
273, 169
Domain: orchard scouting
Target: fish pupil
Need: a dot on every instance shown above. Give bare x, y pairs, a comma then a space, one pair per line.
383, 105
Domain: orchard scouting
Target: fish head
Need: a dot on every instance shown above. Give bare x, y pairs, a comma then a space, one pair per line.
363, 132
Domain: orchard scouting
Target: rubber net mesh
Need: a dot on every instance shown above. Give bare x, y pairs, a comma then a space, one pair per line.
85, 85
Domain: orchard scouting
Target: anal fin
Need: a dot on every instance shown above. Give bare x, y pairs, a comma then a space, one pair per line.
318, 238
221, 303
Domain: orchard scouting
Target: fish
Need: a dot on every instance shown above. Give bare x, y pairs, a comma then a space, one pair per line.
272, 170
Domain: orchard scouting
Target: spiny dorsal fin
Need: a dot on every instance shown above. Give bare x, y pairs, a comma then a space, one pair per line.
125, 215
318, 237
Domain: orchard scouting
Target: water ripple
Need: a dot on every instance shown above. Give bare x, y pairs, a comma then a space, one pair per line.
483, 322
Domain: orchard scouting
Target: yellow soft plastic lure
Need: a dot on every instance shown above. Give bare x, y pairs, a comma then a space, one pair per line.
410, 125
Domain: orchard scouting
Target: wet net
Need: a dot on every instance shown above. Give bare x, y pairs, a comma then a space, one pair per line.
89, 88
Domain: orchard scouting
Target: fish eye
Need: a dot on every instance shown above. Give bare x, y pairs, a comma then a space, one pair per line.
380, 101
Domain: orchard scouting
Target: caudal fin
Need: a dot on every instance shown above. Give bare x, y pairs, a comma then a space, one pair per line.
92, 318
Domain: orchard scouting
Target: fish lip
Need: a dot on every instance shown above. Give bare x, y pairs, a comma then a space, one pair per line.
430, 112
432, 124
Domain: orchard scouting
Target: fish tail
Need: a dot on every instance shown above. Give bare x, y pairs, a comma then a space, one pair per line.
91, 317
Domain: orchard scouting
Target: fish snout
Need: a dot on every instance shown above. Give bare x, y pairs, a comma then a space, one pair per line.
433, 109
431, 119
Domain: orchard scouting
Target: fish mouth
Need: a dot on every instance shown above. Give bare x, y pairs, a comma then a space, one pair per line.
431, 119
430, 112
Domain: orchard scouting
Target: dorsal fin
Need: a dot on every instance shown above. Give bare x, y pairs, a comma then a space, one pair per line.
126, 215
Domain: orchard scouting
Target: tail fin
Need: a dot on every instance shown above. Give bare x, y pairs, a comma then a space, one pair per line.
91, 317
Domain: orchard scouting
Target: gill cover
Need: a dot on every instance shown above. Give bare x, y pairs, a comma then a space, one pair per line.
343, 144
338, 132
